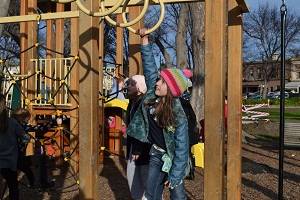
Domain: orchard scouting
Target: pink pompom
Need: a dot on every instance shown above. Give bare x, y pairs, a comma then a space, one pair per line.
187, 73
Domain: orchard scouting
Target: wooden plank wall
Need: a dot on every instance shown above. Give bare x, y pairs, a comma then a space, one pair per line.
89, 106
215, 63
234, 142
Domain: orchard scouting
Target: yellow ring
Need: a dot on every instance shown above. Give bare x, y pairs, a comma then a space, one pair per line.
160, 20
126, 24
98, 14
62, 1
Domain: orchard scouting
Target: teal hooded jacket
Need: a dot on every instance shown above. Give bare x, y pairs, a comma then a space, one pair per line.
176, 138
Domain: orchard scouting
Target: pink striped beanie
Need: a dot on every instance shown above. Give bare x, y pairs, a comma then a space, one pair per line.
177, 80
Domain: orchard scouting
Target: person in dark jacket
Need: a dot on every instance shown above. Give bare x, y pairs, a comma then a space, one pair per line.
192, 128
10, 131
24, 162
161, 121
137, 166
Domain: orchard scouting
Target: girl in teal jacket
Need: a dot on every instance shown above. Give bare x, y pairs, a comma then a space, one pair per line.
161, 121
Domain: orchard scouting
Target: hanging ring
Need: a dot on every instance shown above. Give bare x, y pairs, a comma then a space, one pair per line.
63, 1
160, 20
127, 24
98, 14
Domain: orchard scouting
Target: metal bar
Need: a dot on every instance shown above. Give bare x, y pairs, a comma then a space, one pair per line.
283, 10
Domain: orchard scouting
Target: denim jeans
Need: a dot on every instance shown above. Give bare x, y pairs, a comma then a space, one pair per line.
157, 178
136, 178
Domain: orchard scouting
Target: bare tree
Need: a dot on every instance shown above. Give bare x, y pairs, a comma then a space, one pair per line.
198, 54
262, 34
4, 5
182, 29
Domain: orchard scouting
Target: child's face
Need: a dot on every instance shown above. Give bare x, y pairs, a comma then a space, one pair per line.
161, 88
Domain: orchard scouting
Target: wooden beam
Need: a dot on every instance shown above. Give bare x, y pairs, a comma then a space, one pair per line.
101, 101
72, 14
135, 59
34, 17
59, 47
243, 6
59, 31
215, 53
89, 106
74, 120
23, 37
32, 53
234, 142
119, 47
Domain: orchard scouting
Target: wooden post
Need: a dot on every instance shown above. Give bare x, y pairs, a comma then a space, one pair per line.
31, 54
215, 55
135, 59
234, 142
101, 101
89, 106
59, 47
23, 37
119, 46
74, 120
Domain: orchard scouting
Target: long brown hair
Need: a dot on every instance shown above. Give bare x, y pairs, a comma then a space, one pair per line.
3, 114
164, 111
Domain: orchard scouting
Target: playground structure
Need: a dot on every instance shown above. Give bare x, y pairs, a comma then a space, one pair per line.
78, 78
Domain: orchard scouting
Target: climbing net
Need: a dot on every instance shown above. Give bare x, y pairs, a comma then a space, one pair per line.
43, 77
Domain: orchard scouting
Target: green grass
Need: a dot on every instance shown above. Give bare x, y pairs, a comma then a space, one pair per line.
291, 114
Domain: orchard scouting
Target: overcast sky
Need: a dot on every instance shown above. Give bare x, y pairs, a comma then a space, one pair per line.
293, 5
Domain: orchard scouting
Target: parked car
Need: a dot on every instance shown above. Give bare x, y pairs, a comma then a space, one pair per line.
254, 95
276, 95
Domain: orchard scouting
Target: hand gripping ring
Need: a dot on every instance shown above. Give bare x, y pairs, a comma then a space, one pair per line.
98, 14
160, 20
126, 24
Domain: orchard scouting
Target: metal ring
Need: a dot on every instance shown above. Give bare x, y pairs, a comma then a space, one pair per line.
98, 14
160, 20
127, 24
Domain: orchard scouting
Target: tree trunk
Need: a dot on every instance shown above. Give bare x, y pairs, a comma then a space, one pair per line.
198, 45
181, 48
4, 5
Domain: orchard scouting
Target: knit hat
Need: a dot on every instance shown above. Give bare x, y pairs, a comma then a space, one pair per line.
140, 83
177, 80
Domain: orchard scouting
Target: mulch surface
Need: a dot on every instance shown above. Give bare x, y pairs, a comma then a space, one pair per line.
259, 178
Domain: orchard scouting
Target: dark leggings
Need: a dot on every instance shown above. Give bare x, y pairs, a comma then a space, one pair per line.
24, 164
11, 178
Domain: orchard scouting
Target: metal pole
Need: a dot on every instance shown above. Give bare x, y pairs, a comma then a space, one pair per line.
283, 10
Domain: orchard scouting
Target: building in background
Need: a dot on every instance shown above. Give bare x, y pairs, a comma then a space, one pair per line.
258, 75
